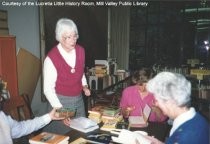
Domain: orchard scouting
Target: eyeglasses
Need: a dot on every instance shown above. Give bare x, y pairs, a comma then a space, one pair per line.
70, 37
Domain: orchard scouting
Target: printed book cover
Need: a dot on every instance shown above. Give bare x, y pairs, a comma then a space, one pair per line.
49, 138
109, 125
111, 111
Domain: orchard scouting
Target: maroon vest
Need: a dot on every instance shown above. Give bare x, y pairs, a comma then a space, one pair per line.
68, 83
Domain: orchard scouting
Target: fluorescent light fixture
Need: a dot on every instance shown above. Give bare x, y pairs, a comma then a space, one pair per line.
206, 42
207, 48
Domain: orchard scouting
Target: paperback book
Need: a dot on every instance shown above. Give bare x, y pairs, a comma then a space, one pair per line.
83, 124
140, 121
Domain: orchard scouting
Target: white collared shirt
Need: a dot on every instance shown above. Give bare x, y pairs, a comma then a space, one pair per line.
10, 128
69, 57
50, 75
182, 119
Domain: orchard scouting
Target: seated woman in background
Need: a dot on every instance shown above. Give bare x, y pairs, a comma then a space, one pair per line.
135, 97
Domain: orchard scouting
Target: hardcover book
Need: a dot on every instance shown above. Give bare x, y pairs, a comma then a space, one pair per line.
83, 124
49, 138
111, 111
140, 121
109, 125
65, 112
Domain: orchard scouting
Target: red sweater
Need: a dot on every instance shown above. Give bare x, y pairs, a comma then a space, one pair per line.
68, 83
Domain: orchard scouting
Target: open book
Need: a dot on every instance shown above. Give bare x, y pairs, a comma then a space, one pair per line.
129, 137
140, 121
49, 138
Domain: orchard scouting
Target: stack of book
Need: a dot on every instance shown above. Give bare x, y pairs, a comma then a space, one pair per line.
49, 138
95, 116
109, 125
111, 113
95, 113
111, 116
100, 70
117, 117
104, 113
108, 115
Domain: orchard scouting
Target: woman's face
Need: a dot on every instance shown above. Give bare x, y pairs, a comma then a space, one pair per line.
167, 107
69, 40
161, 105
142, 87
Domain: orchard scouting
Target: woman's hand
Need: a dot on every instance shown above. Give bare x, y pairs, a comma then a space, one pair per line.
86, 91
67, 121
126, 111
55, 115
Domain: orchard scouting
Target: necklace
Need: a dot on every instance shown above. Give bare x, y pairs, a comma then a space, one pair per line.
73, 70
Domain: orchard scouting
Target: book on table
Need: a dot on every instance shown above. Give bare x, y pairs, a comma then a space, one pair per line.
103, 113
95, 116
140, 121
49, 138
83, 124
111, 111
93, 139
109, 125
99, 138
79, 140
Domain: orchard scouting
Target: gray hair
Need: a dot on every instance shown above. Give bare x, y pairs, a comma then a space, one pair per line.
63, 25
171, 86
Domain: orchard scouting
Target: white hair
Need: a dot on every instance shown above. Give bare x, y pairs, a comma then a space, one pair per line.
171, 86
63, 25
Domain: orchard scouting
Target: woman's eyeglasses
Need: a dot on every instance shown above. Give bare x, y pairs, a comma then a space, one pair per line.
70, 37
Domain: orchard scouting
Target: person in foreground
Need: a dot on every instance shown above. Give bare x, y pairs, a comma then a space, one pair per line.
172, 92
64, 77
10, 128
135, 97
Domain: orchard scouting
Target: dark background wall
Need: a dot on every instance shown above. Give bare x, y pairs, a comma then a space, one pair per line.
92, 27
160, 33
163, 32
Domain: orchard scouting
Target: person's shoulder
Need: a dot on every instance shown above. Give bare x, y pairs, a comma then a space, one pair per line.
78, 46
201, 118
52, 50
79, 49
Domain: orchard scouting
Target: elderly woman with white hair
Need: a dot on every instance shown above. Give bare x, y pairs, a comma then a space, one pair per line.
173, 96
64, 78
